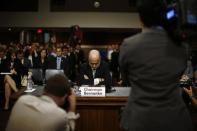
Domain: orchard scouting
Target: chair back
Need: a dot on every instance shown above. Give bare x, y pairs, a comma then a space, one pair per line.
37, 76
51, 72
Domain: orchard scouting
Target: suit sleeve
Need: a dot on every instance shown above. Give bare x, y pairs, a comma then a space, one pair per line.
82, 79
108, 78
123, 64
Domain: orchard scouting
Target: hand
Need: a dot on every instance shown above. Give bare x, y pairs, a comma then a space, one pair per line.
13, 71
119, 82
189, 91
96, 81
86, 77
29, 74
72, 101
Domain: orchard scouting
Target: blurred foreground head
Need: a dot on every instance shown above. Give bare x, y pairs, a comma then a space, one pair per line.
151, 12
57, 85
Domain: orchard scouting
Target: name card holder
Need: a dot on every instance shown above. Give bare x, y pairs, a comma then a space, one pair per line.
92, 91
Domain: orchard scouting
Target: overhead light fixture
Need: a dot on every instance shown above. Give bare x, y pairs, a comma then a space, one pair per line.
9, 29
97, 4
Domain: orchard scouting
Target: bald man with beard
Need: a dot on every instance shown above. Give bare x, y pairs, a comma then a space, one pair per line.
95, 72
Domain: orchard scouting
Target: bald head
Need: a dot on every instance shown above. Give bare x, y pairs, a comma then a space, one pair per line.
94, 59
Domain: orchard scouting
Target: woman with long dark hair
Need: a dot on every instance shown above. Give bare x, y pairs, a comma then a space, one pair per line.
11, 81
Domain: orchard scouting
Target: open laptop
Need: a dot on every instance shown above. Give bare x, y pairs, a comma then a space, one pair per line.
52, 72
37, 76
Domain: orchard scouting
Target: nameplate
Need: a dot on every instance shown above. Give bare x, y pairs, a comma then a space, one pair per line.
92, 91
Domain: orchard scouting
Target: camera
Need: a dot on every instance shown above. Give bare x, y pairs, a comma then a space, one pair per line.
185, 12
185, 84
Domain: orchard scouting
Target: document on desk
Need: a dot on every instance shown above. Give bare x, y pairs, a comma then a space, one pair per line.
5, 73
30, 90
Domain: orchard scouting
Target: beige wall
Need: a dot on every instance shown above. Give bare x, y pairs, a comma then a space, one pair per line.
45, 18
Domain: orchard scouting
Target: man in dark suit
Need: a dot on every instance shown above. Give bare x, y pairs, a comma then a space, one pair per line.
96, 72
114, 65
152, 63
23, 62
58, 62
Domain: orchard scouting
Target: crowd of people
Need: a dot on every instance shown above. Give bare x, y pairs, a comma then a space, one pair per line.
151, 62
18, 59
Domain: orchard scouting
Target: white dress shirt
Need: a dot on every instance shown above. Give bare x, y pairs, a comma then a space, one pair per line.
58, 63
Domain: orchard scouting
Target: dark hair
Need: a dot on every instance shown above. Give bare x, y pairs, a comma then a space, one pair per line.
58, 85
20, 52
153, 13
9, 54
43, 50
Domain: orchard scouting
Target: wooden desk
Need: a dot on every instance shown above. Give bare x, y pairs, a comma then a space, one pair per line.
99, 114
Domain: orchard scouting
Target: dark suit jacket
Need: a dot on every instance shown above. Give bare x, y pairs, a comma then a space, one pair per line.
101, 72
52, 64
21, 69
72, 64
39, 64
153, 64
27, 63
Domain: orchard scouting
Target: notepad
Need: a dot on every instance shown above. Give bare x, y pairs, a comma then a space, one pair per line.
5, 73
30, 90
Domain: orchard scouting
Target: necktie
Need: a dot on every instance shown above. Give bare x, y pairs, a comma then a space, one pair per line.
93, 73
58, 62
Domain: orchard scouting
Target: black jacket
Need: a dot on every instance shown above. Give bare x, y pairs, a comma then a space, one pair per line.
102, 72
153, 64
52, 64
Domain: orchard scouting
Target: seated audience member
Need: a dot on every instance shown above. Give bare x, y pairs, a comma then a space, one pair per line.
96, 72
33, 53
32, 113
58, 62
23, 61
11, 82
41, 62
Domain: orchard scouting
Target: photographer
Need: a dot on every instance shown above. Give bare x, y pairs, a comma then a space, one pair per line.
153, 62
191, 95
185, 82
189, 88
32, 113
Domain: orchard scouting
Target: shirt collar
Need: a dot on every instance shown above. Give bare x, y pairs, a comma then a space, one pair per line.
158, 28
48, 99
